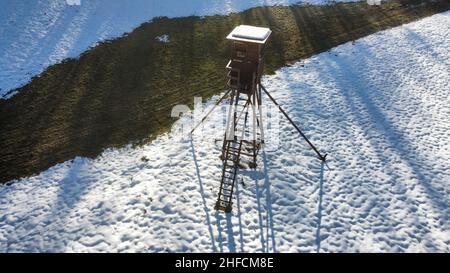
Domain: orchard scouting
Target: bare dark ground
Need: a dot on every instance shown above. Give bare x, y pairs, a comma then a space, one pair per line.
122, 91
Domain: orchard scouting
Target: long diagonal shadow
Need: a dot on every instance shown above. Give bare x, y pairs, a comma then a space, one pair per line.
238, 205
202, 193
230, 243
268, 204
260, 217
394, 136
319, 208
219, 230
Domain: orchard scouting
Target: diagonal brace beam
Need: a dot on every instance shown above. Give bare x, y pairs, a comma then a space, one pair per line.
212, 109
319, 155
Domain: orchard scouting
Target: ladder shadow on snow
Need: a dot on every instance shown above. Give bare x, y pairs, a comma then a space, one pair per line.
226, 236
225, 220
225, 228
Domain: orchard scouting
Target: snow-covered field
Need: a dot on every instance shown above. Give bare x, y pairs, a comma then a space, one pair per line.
380, 107
36, 34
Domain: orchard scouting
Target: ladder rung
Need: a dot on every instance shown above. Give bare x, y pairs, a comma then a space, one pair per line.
230, 159
243, 153
232, 167
228, 181
227, 177
225, 197
235, 160
246, 154
228, 187
232, 151
223, 189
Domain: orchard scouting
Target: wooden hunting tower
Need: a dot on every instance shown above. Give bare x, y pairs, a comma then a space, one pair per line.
244, 133
244, 137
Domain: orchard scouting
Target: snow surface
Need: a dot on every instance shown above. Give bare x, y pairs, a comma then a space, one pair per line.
380, 107
165, 38
36, 34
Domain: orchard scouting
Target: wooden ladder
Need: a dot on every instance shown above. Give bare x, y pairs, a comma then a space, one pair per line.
231, 156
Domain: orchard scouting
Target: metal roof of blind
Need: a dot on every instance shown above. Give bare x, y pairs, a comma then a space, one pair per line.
250, 33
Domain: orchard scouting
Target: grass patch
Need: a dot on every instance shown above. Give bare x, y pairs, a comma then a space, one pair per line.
122, 91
